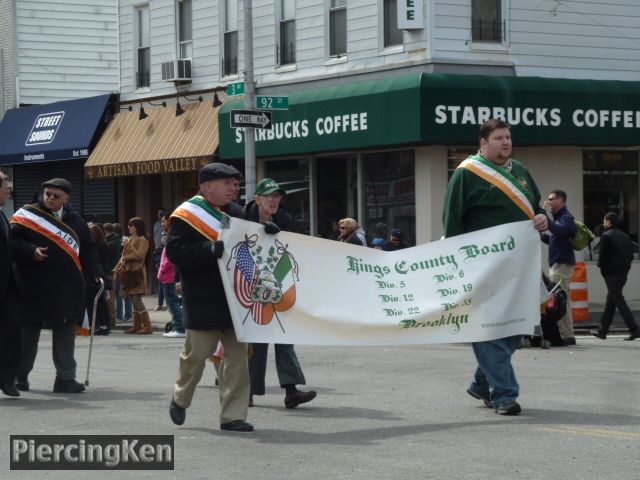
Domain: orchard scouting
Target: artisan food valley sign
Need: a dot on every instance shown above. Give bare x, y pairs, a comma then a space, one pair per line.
147, 167
441, 109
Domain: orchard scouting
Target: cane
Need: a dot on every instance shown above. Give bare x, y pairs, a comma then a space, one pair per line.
93, 327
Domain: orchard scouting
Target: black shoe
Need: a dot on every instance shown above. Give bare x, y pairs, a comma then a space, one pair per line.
634, 335
22, 384
569, 341
509, 408
292, 400
599, 334
101, 331
67, 386
9, 390
177, 413
237, 426
487, 402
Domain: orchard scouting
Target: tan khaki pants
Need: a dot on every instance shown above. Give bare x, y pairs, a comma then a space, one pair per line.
561, 272
234, 386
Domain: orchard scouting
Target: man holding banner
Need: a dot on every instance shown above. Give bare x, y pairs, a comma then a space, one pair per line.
486, 190
54, 256
193, 245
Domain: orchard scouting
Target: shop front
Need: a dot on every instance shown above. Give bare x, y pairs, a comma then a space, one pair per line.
54, 140
383, 151
154, 157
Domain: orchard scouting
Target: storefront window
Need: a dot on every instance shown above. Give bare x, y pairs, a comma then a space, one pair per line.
390, 199
610, 182
293, 176
455, 156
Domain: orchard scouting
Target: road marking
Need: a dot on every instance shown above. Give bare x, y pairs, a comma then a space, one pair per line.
585, 432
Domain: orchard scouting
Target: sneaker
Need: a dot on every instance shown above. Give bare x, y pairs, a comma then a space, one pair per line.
479, 396
569, 341
237, 426
174, 334
599, 334
509, 408
177, 413
67, 386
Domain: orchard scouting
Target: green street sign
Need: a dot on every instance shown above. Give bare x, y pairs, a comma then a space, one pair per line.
235, 88
272, 103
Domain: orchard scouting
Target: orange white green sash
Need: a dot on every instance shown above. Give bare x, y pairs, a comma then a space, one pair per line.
502, 179
199, 213
47, 225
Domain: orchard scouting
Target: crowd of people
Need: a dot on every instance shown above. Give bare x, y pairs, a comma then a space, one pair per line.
47, 239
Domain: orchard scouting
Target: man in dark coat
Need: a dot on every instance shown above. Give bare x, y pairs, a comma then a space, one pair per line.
266, 208
54, 257
9, 313
615, 262
193, 246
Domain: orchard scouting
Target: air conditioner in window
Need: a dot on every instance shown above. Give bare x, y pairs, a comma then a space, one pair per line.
177, 71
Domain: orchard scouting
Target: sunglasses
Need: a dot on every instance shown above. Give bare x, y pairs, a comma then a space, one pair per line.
57, 196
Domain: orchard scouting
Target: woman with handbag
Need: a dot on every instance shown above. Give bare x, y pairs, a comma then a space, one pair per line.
133, 275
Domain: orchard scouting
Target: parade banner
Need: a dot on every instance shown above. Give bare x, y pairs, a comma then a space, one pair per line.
290, 288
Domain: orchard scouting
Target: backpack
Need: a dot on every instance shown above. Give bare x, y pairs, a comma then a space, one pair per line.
583, 236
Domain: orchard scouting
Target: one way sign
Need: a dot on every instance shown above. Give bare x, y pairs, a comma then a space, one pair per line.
250, 119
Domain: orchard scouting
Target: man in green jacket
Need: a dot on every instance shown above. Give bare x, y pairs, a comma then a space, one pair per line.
486, 190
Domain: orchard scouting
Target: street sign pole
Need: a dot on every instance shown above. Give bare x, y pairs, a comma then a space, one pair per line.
249, 103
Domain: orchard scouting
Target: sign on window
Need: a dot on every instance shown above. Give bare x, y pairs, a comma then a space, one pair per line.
410, 14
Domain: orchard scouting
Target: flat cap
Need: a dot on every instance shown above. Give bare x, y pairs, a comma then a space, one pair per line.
60, 183
214, 171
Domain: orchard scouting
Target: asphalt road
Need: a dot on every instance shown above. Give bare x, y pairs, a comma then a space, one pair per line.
381, 413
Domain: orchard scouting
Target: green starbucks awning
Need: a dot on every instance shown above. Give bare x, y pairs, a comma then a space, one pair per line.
442, 109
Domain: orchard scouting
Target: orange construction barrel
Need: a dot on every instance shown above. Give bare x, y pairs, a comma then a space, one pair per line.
579, 293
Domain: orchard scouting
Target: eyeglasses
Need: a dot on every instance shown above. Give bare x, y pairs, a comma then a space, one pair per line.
343, 228
57, 196
551, 199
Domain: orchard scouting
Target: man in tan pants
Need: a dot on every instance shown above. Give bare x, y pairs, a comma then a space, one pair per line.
193, 245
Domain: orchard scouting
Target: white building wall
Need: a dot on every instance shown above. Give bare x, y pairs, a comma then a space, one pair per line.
8, 59
66, 49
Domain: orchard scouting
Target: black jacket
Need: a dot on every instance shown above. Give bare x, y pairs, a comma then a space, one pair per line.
204, 302
616, 252
7, 273
282, 219
562, 228
114, 251
51, 291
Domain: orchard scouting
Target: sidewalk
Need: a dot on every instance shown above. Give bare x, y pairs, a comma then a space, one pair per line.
159, 319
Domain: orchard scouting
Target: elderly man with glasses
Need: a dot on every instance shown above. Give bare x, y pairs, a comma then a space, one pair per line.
55, 257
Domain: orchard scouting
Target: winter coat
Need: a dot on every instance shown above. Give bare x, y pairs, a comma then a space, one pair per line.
562, 228
616, 252
53, 292
134, 254
204, 302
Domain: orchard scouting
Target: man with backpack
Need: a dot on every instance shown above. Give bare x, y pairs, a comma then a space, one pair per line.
562, 259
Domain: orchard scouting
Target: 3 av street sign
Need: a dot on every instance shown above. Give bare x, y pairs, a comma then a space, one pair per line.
250, 119
237, 88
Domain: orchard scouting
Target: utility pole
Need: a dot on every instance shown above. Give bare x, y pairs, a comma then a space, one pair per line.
250, 104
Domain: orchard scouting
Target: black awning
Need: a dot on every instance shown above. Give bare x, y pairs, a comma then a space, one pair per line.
53, 132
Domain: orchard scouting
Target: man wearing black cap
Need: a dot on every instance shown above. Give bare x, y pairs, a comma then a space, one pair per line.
396, 241
265, 208
54, 257
193, 245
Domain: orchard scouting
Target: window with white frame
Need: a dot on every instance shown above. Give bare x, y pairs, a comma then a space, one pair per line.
184, 23
392, 34
143, 57
337, 28
486, 21
230, 54
287, 50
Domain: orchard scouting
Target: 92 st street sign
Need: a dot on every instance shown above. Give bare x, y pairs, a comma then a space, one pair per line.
250, 119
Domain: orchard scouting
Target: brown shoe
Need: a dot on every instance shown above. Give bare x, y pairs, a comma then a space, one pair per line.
292, 400
137, 324
146, 324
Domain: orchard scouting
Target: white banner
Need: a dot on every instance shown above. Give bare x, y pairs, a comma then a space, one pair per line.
291, 288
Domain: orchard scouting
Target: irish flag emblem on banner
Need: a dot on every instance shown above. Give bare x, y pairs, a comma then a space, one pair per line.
263, 281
